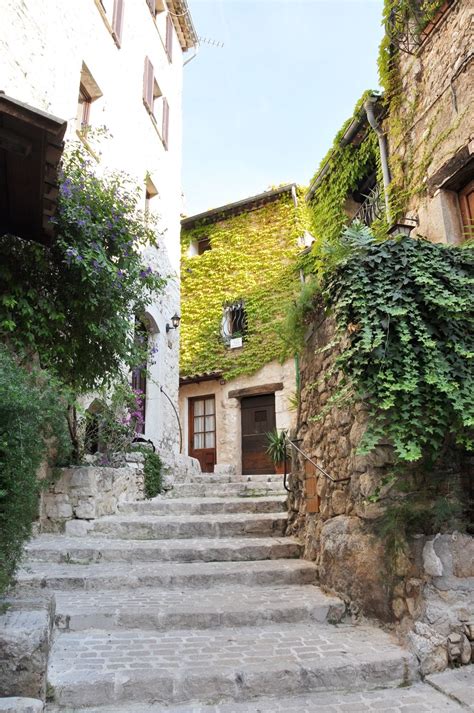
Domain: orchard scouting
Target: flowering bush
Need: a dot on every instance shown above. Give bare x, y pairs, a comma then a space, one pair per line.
72, 304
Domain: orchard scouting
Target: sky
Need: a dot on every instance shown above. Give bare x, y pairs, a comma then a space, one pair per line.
264, 109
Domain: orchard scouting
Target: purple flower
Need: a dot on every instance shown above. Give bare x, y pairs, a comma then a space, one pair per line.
81, 223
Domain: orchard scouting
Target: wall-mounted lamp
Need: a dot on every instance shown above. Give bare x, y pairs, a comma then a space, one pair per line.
402, 229
175, 320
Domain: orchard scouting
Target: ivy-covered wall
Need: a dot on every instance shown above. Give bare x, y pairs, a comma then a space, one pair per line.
252, 258
429, 91
348, 165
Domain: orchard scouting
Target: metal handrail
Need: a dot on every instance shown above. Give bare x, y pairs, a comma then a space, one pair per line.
310, 460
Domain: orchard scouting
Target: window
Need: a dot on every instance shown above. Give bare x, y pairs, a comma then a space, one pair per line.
150, 192
234, 324
155, 6
89, 92
466, 208
203, 246
155, 103
169, 37
83, 107
112, 15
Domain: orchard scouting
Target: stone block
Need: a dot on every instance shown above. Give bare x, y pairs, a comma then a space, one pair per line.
21, 705
339, 502
25, 637
431, 562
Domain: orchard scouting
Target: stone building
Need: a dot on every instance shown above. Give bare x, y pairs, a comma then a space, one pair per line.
403, 162
119, 65
237, 281
429, 77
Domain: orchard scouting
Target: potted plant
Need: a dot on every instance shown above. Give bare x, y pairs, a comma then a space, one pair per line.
277, 449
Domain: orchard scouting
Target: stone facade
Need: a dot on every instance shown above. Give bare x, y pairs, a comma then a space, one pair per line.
88, 492
44, 52
228, 411
427, 590
430, 130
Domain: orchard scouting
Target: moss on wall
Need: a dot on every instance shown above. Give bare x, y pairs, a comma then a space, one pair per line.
252, 258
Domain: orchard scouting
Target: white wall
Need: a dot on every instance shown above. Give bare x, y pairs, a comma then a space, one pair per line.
42, 48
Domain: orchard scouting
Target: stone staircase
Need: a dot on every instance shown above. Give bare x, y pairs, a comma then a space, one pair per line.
202, 604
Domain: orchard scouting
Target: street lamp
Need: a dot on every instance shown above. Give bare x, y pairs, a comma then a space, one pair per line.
175, 320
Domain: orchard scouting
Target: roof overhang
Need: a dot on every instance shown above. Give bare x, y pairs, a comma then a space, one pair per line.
354, 134
183, 23
197, 378
243, 206
31, 146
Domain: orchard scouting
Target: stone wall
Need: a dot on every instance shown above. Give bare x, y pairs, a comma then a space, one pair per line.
88, 492
430, 127
428, 590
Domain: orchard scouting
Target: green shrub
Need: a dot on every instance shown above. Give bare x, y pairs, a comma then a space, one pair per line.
32, 422
153, 472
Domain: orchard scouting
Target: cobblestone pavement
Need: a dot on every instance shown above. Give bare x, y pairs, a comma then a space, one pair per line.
415, 699
139, 625
457, 683
200, 609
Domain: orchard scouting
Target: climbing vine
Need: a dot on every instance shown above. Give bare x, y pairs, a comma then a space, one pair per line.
348, 165
252, 259
404, 308
411, 152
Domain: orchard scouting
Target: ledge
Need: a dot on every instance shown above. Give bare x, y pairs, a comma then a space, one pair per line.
255, 390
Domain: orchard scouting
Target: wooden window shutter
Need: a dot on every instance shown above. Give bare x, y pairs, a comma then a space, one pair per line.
148, 85
169, 37
117, 21
166, 122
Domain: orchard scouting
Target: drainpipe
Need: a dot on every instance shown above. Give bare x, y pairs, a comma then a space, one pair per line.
369, 110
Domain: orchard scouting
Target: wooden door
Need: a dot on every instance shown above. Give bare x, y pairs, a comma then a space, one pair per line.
202, 431
258, 418
466, 204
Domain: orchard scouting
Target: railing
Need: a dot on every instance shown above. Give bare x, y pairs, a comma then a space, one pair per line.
372, 208
310, 460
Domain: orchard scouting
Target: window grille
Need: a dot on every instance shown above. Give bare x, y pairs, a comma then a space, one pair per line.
234, 321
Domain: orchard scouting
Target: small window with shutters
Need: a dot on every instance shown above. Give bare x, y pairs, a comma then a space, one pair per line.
155, 6
112, 14
169, 37
155, 103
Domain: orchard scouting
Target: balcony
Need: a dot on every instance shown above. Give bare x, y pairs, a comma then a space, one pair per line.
372, 208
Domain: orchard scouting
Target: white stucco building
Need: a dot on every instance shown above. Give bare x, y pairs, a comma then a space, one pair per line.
117, 64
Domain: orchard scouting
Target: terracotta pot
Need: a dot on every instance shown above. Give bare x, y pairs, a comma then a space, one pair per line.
279, 468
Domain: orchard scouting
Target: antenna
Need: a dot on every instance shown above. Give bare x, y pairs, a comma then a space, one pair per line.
210, 42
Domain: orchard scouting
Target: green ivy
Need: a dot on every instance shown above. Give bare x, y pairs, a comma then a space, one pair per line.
252, 258
153, 474
408, 167
348, 165
32, 426
405, 306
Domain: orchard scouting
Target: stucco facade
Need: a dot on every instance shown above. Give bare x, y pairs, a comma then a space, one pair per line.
228, 407
46, 52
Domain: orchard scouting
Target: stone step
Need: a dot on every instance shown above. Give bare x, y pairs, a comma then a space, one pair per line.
214, 490
97, 667
162, 609
419, 698
89, 550
198, 575
224, 479
148, 527
205, 506
21, 705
